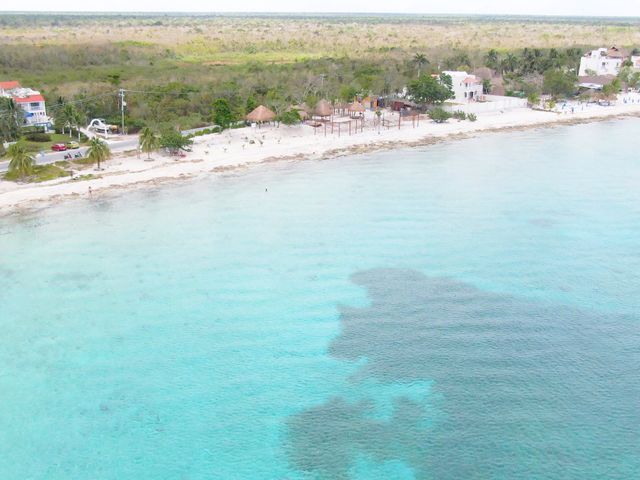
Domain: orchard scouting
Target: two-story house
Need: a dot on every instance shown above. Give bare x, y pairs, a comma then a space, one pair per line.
30, 101
603, 61
466, 87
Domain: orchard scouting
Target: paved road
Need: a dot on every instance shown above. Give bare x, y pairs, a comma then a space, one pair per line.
130, 143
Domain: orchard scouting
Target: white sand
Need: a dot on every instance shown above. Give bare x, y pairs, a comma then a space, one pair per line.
218, 153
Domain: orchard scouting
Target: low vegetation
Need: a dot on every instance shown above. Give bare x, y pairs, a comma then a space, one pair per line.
37, 174
439, 115
193, 71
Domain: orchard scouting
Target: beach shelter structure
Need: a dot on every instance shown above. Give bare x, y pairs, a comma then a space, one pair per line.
356, 108
261, 114
323, 109
340, 108
302, 110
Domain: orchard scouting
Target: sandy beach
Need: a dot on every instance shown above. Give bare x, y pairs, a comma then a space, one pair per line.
251, 146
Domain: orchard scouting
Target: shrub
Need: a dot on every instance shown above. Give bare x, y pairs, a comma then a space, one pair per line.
472, 117
83, 137
459, 115
38, 137
134, 125
559, 83
289, 118
439, 115
174, 141
33, 129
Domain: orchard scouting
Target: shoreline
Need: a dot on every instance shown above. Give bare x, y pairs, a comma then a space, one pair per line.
240, 149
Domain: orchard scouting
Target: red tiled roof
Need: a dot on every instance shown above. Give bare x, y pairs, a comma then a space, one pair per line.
470, 79
9, 85
29, 99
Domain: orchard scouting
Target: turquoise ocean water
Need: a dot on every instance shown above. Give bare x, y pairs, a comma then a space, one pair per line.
469, 310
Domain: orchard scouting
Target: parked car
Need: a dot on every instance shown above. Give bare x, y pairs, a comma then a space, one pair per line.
58, 147
73, 145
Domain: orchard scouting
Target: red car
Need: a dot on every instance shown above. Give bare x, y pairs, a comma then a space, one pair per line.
58, 147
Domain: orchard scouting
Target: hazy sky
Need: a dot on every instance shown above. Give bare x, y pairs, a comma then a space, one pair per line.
537, 7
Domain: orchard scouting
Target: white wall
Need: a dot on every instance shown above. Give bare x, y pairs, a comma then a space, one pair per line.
492, 103
464, 92
37, 110
601, 64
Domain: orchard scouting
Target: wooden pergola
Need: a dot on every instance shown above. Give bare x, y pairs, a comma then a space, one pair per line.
348, 121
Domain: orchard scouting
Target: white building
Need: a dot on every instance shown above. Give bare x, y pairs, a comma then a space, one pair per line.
31, 102
7, 87
603, 61
466, 88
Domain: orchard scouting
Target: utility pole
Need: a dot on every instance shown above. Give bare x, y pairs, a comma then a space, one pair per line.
122, 105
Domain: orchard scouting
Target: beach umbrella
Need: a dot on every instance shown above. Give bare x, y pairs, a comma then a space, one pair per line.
356, 107
324, 109
261, 114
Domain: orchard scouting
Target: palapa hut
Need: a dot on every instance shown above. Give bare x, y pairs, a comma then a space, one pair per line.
340, 108
323, 109
356, 109
302, 110
261, 114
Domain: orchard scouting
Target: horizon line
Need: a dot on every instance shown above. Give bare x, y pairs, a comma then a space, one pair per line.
319, 14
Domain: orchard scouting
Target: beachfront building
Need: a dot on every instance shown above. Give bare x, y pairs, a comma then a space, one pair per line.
30, 101
602, 61
7, 87
466, 87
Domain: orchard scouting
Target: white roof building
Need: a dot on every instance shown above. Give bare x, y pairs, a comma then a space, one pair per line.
31, 102
603, 61
466, 87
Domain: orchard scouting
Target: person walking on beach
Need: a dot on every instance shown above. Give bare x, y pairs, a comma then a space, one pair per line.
90, 193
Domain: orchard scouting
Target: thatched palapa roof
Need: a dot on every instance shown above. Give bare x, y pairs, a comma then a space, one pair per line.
324, 109
356, 107
302, 110
302, 106
261, 114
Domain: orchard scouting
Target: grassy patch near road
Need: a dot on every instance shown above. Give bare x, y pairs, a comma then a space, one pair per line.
36, 147
41, 173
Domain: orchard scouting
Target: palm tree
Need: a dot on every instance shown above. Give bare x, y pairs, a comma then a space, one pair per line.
98, 151
21, 162
149, 141
491, 59
10, 119
70, 116
510, 63
419, 60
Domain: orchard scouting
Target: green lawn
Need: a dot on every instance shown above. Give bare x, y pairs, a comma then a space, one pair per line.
36, 147
41, 173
